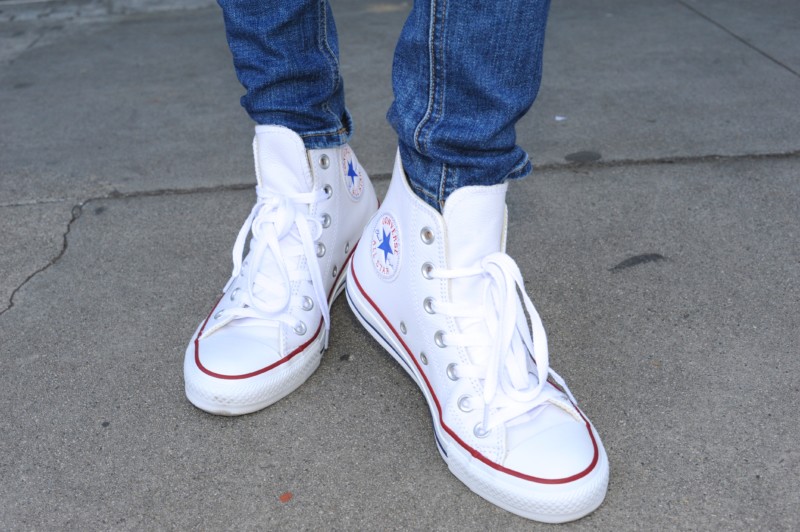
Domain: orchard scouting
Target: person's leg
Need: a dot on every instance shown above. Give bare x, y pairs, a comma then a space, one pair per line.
286, 56
464, 74
431, 280
265, 335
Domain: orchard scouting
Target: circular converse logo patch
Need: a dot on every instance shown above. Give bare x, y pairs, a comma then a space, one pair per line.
386, 247
351, 172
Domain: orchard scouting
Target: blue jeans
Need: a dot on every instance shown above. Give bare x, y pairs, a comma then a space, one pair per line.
465, 71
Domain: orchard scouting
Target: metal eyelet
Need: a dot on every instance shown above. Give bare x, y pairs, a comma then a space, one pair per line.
423, 358
403, 327
308, 303
324, 161
427, 270
328, 190
300, 328
428, 305
347, 247
320, 249
218, 315
427, 235
335, 271
235, 293
451, 371
479, 432
438, 339
464, 403
326, 220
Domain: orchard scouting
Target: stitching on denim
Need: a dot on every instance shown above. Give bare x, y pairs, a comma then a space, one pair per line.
340, 132
442, 187
324, 46
440, 73
422, 192
518, 169
431, 78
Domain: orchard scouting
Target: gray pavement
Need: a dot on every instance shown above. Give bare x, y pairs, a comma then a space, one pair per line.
125, 173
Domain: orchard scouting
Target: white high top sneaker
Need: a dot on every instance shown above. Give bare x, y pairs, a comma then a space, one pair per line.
266, 334
439, 293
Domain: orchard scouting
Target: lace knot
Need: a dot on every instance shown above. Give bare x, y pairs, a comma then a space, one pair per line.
513, 366
283, 233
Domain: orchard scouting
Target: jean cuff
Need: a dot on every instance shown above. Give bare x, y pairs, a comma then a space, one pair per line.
322, 139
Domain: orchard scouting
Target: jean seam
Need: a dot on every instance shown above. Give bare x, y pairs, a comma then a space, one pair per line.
519, 169
420, 143
442, 186
341, 131
441, 72
324, 47
422, 192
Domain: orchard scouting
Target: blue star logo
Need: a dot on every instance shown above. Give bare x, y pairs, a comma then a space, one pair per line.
351, 172
385, 246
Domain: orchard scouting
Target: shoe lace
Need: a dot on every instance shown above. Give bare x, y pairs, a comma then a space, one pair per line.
512, 362
282, 230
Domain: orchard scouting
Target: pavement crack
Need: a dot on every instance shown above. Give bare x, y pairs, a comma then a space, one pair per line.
739, 38
77, 210
684, 159
115, 194
29, 203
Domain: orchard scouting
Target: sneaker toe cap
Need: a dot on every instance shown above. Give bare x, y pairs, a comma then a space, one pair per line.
246, 351
561, 451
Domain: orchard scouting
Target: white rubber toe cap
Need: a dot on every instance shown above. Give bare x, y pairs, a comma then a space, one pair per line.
237, 351
564, 448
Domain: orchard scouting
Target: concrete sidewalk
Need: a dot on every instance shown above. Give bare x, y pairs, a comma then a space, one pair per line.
667, 131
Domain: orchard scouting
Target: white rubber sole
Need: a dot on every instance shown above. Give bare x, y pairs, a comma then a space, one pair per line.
549, 503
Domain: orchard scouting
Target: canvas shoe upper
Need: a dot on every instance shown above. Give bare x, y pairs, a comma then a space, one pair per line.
440, 294
265, 335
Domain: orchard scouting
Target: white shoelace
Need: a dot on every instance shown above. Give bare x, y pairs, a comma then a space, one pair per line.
282, 230
501, 360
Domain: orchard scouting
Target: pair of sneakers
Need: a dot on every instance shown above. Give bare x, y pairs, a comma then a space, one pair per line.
437, 291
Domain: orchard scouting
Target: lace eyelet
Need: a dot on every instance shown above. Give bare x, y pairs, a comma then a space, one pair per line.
320, 249
428, 305
335, 271
479, 431
235, 293
308, 303
218, 315
427, 270
427, 235
464, 403
403, 327
438, 339
324, 161
451, 371
328, 191
326, 220
423, 358
347, 247
300, 328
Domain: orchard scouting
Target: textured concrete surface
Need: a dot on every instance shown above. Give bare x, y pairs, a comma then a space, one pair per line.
667, 273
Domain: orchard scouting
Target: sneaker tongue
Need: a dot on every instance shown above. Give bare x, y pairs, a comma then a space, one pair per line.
475, 223
281, 160
282, 167
475, 219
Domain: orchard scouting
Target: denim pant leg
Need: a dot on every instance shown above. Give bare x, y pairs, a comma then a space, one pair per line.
464, 74
286, 56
